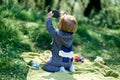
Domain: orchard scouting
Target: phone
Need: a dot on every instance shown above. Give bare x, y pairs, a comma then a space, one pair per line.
56, 13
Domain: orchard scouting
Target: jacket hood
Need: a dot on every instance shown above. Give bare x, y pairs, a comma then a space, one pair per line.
65, 38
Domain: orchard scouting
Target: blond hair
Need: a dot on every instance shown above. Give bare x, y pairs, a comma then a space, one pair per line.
68, 23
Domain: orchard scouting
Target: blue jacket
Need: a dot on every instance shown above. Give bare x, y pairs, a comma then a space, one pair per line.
61, 41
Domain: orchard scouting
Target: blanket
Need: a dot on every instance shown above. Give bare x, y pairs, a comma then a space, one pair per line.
83, 71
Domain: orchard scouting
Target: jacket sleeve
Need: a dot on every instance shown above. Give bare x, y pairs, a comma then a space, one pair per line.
50, 27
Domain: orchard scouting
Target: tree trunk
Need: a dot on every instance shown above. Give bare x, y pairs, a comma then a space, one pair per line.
92, 4
58, 4
48, 5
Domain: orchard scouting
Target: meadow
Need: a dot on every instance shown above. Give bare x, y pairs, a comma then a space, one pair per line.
23, 30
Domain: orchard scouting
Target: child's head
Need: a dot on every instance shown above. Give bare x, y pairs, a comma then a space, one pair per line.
67, 23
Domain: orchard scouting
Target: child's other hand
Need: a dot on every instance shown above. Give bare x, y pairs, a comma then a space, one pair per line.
50, 14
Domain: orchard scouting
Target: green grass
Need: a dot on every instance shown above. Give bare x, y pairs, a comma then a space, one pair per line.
23, 30
95, 41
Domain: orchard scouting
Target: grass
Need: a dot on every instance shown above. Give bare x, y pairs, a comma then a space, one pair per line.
100, 43
25, 31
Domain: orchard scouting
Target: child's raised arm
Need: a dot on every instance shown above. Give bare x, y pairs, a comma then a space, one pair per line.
49, 24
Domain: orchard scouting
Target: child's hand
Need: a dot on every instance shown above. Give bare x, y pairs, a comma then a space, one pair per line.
50, 14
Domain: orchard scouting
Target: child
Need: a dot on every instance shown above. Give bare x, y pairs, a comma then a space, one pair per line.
62, 52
